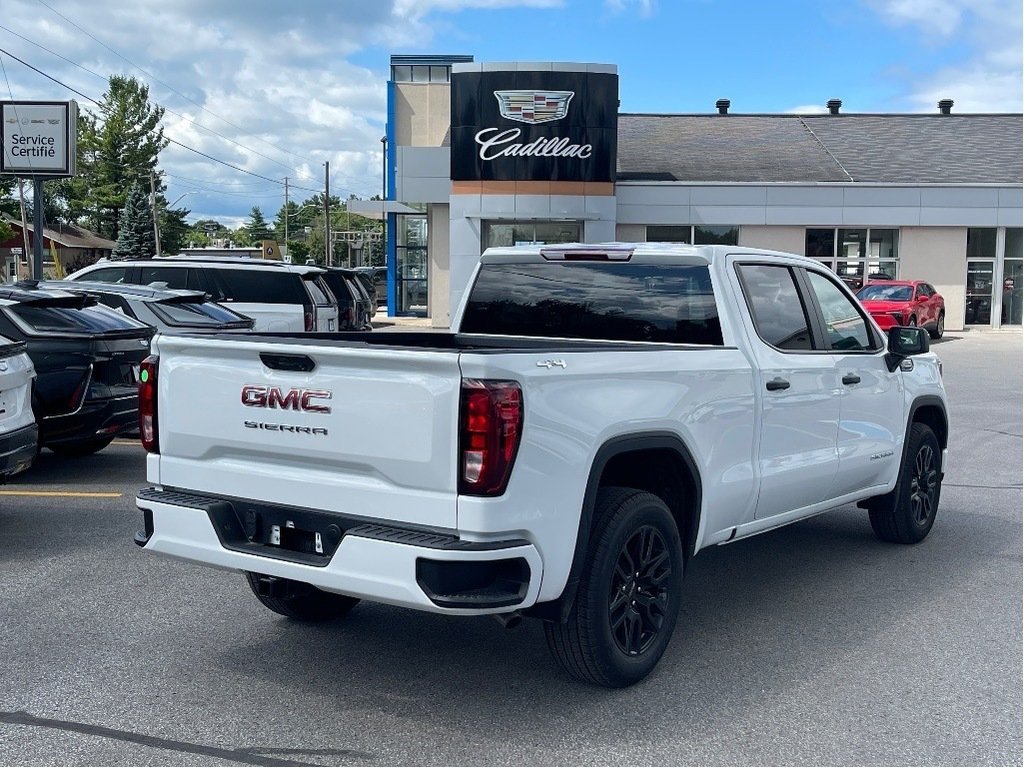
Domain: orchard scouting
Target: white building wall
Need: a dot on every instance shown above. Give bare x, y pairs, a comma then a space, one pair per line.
788, 239
938, 255
438, 265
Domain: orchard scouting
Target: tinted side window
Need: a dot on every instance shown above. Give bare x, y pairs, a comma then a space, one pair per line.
107, 275
174, 277
319, 291
846, 327
262, 286
594, 300
775, 306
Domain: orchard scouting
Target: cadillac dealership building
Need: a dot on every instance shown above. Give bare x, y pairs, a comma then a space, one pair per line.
498, 154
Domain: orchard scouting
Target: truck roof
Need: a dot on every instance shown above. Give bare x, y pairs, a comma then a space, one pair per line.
680, 253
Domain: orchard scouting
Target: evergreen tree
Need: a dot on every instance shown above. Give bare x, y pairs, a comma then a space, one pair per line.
257, 228
136, 239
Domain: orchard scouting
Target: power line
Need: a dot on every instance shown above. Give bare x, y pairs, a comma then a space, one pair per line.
170, 140
165, 85
166, 109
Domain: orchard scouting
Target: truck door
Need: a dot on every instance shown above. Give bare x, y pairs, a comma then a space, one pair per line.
871, 403
798, 389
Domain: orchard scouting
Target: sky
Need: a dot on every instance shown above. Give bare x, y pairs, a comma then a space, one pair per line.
276, 88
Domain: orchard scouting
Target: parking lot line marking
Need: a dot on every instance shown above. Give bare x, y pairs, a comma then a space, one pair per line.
74, 494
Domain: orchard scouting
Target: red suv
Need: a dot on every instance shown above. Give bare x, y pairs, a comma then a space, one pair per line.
905, 302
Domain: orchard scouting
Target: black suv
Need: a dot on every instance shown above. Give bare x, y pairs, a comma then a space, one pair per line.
87, 361
354, 305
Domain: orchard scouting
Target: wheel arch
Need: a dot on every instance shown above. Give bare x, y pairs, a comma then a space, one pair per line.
657, 462
930, 411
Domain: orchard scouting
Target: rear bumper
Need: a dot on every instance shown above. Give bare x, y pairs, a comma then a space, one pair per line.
18, 450
113, 416
415, 569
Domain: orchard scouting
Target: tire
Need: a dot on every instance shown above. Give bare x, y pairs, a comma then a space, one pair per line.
81, 447
906, 515
303, 601
940, 327
608, 640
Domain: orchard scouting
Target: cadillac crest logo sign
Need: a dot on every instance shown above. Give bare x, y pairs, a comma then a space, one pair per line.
534, 125
533, 106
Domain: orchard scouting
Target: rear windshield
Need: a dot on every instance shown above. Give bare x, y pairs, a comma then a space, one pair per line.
318, 290
94, 319
262, 286
886, 292
588, 300
340, 287
194, 313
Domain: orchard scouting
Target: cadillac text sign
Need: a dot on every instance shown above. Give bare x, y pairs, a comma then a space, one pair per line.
534, 126
38, 138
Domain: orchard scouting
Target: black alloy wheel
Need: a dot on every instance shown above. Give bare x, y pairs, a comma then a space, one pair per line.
629, 593
906, 514
924, 485
638, 599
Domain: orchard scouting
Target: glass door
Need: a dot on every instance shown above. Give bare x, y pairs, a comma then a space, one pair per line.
1013, 284
979, 292
411, 278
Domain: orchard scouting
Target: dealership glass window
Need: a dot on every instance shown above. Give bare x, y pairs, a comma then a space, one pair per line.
401, 73
1013, 277
669, 234
508, 233
716, 235
981, 267
439, 74
411, 261
855, 254
698, 234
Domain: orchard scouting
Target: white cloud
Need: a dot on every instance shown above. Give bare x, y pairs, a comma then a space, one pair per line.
645, 8
807, 109
988, 78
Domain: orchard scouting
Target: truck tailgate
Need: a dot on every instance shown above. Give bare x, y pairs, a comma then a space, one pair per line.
365, 432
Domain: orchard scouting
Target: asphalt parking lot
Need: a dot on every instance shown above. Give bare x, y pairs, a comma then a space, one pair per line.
812, 645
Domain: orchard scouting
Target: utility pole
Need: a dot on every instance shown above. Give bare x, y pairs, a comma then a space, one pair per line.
152, 207
327, 213
37, 225
286, 216
24, 223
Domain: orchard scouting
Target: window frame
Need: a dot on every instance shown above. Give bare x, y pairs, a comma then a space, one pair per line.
813, 330
819, 315
813, 313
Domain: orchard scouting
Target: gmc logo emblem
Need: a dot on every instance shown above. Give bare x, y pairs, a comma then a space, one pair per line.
256, 396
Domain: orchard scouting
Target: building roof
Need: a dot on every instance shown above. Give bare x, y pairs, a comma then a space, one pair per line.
67, 235
864, 148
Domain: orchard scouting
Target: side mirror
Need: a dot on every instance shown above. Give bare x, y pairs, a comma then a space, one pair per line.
922, 298
905, 342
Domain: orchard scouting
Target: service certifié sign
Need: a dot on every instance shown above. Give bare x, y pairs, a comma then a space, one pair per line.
38, 138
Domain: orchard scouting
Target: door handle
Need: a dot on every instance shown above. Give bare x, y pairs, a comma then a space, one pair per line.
851, 378
776, 384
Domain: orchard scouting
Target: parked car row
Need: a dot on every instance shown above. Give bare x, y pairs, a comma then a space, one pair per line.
277, 296
82, 373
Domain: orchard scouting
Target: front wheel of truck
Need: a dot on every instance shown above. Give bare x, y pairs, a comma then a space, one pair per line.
298, 600
629, 593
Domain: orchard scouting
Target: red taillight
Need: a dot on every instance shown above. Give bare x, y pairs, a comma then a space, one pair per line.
491, 423
309, 320
350, 317
147, 404
75, 401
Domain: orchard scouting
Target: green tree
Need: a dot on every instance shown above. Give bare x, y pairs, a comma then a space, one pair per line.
173, 230
117, 147
136, 239
257, 228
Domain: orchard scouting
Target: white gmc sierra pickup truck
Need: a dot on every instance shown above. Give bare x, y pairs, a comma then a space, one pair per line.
602, 413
